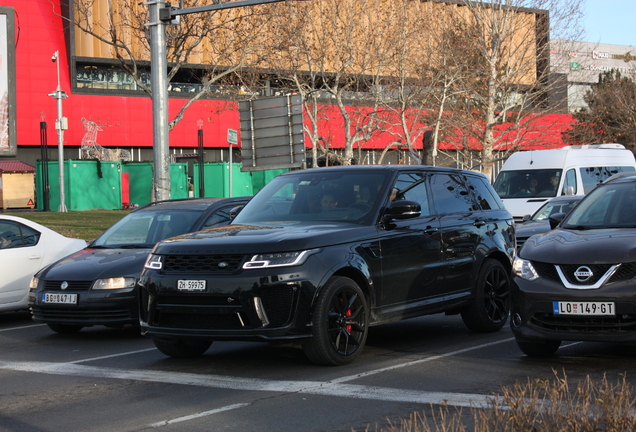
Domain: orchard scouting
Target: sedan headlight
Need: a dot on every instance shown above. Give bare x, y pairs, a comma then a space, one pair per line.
114, 283
524, 269
280, 259
34, 283
154, 262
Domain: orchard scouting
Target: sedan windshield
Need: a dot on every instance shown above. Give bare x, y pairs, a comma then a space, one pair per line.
145, 228
317, 196
609, 206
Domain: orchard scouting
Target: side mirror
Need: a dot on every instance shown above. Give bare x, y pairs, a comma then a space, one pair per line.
235, 211
555, 219
402, 209
525, 218
569, 190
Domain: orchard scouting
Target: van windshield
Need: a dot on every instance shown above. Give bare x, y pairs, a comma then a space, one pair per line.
528, 183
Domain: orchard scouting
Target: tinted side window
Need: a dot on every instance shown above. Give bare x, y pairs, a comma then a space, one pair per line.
412, 187
450, 195
483, 193
15, 235
219, 217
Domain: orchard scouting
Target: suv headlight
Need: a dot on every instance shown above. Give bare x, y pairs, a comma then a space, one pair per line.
524, 269
154, 262
280, 259
114, 283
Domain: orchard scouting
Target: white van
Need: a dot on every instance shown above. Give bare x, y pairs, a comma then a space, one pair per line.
530, 178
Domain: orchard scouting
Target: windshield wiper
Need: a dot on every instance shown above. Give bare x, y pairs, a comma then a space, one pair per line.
132, 246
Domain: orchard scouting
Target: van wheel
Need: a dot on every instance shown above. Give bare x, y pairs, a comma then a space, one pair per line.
489, 309
65, 328
340, 323
182, 348
538, 347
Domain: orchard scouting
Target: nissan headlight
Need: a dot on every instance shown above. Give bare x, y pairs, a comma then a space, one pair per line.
278, 259
524, 269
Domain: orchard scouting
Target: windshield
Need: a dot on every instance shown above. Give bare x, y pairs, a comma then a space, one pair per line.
528, 183
608, 206
553, 207
316, 195
145, 228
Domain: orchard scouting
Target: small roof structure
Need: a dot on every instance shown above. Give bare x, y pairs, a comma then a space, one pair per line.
15, 166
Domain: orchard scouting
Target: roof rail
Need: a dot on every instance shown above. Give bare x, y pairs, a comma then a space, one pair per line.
597, 146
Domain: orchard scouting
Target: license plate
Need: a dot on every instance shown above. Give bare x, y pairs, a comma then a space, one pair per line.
583, 308
59, 298
191, 285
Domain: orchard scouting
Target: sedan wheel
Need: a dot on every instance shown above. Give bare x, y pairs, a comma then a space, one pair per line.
340, 323
538, 347
489, 310
182, 348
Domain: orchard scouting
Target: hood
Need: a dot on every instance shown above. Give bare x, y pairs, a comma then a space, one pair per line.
91, 264
245, 239
602, 246
526, 229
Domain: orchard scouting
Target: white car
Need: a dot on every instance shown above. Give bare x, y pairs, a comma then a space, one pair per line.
25, 248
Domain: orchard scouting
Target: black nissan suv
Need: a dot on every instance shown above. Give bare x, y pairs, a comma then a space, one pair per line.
319, 255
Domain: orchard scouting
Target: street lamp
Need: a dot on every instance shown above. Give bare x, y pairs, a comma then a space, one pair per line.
61, 123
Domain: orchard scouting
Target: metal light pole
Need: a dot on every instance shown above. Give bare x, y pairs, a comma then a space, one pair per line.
159, 89
201, 162
61, 123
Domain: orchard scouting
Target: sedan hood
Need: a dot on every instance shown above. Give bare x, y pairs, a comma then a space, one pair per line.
91, 264
603, 246
243, 239
529, 228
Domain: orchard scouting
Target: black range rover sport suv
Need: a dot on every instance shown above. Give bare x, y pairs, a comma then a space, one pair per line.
319, 255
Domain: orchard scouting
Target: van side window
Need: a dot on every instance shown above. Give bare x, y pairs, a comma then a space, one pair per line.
594, 176
570, 180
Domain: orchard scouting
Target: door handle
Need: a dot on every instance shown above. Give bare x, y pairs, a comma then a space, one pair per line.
34, 257
479, 223
430, 231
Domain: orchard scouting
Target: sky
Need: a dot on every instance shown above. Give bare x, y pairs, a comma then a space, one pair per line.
610, 22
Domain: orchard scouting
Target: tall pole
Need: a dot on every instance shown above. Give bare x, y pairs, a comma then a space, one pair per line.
201, 162
159, 89
60, 125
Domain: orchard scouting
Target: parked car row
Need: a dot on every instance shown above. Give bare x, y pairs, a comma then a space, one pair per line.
318, 256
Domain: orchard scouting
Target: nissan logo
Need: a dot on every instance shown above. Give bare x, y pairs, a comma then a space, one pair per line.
583, 274
64, 285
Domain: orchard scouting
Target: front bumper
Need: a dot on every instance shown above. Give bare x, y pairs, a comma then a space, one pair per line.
261, 304
532, 315
113, 308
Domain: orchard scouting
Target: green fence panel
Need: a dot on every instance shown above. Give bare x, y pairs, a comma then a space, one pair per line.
217, 182
140, 181
87, 185
261, 178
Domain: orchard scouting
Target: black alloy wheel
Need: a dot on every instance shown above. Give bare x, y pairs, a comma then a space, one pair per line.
490, 307
340, 323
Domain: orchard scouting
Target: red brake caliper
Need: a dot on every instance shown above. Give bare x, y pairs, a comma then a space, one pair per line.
348, 325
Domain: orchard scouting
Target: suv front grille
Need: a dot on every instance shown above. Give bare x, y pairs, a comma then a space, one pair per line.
548, 271
202, 263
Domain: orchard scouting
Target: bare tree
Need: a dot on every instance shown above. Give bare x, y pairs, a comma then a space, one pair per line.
506, 85
610, 115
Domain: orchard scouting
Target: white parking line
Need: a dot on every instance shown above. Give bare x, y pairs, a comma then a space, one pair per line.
201, 414
22, 327
254, 384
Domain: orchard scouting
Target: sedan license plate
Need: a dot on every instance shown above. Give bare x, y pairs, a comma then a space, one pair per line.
191, 285
583, 308
59, 298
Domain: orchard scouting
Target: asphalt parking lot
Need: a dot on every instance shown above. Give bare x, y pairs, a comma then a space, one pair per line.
105, 379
